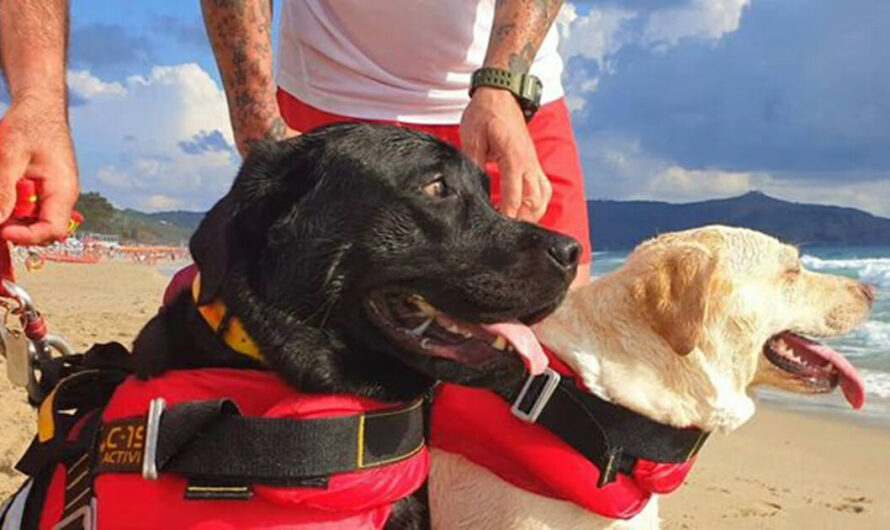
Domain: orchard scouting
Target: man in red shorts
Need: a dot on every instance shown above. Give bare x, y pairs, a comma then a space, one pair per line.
415, 63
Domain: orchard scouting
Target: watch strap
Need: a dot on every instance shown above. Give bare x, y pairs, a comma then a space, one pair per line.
525, 87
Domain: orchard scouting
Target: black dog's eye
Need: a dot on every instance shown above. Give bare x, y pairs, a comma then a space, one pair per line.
436, 188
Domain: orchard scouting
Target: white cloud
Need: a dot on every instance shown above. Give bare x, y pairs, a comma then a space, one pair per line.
680, 184
620, 168
703, 19
85, 85
868, 195
162, 202
605, 30
596, 35
128, 138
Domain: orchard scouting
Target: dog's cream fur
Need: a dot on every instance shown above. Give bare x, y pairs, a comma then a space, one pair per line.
676, 334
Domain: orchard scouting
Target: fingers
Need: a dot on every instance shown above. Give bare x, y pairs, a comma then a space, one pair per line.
475, 147
512, 184
537, 196
12, 168
57, 198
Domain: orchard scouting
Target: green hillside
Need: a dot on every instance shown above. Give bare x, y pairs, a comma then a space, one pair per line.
133, 226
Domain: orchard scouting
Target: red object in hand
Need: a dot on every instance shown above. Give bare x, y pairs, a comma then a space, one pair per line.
27, 202
27, 208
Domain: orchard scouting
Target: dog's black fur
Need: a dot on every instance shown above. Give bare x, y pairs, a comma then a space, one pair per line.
314, 226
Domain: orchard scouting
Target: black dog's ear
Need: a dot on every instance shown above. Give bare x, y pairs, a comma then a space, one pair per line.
152, 349
274, 176
211, 246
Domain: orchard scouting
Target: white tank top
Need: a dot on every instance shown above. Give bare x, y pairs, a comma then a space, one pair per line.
394, 60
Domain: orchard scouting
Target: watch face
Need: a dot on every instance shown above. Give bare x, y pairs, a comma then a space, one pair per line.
531, 89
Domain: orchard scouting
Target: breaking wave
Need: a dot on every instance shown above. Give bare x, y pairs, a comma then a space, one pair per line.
876, 383
871, 270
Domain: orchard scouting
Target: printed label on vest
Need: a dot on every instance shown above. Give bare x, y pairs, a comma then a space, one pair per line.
121, 446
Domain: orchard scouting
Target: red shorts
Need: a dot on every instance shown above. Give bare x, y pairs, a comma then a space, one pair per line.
551, 132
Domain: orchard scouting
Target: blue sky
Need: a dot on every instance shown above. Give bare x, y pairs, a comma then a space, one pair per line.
674, 100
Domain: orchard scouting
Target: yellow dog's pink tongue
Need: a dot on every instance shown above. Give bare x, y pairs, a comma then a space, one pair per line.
851, 383
523, 340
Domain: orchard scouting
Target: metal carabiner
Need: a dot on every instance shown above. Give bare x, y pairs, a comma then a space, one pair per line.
40, 343
28, 311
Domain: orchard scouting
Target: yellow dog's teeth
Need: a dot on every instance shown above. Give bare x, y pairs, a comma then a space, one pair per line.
499, 343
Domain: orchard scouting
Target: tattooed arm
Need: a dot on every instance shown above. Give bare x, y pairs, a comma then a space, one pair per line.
34, 136
493, 127
240, 33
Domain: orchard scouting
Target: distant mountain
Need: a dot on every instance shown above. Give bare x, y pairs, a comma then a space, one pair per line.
133, 226
179, 217
614, 224
624, 224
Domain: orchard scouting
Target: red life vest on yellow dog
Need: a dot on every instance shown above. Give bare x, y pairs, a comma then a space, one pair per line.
479, 425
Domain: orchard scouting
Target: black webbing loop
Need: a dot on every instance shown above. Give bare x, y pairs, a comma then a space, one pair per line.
610, 436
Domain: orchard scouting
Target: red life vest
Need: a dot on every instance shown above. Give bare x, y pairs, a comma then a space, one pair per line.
478, 425
355, 500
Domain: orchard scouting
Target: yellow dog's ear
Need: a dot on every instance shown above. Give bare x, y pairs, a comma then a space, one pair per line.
673, 293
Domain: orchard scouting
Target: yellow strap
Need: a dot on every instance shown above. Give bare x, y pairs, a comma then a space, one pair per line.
46, 425
235, 336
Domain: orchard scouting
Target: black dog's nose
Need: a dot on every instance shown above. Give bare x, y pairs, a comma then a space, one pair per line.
565, 253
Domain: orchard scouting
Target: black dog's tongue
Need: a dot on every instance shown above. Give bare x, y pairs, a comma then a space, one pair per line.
524, 341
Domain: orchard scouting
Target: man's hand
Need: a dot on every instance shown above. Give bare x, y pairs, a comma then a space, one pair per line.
35, 142
493, 129
34, 138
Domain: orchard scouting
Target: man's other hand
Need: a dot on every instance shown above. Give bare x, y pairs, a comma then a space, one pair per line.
493, 129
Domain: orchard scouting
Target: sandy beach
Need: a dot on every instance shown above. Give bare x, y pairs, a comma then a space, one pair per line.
782, 470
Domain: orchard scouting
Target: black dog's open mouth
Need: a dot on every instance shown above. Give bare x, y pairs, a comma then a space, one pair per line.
416, 325
819, 367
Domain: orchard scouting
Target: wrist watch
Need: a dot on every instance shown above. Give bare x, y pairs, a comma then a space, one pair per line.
526, 88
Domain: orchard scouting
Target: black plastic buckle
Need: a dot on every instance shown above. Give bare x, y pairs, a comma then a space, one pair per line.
551, 382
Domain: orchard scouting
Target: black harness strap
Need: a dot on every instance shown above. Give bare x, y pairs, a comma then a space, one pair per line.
77, 510
610, 436
210, 442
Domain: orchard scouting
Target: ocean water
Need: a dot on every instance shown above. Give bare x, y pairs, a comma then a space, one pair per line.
868, 347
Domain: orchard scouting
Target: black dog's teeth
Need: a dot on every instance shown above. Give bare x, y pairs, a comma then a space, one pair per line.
438, 333
416, 316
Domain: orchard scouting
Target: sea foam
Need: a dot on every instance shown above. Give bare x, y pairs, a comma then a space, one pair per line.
876, 383
871, 270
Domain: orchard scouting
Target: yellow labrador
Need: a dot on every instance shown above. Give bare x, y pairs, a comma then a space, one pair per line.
681, 333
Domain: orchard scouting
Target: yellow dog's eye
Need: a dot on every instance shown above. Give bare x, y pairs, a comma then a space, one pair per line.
436, 188
793, 271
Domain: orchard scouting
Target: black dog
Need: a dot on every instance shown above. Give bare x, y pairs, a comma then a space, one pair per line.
362, 259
